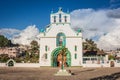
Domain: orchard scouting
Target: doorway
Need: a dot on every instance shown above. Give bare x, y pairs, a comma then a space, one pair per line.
56, 58
10, 63
112, 64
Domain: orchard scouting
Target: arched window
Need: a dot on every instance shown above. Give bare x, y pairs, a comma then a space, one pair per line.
60, 39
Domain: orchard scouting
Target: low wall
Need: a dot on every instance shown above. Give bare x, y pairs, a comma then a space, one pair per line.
2, 64
27, 65
38, 65
117, 64
96, 65
22, 65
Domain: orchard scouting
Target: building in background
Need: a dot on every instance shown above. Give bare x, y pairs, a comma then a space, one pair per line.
10, 51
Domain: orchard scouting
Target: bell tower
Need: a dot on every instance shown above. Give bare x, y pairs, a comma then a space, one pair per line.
59, 17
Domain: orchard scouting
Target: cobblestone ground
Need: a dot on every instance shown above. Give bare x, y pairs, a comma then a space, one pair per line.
47, 73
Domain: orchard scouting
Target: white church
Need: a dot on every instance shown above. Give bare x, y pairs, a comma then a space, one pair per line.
58, 34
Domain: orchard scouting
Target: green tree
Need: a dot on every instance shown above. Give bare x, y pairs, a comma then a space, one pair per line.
111, 57
4, 58
34, 47
4, 42
90, 45
32, 54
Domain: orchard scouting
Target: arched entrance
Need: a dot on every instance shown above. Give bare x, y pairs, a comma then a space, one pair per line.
56, 58
10, 62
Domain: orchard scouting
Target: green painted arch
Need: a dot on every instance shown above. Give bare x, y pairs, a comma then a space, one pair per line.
54, 54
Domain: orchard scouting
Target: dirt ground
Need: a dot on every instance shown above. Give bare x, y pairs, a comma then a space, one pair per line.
47, 73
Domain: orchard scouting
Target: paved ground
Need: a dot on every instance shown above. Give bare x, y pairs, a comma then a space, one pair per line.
12, 73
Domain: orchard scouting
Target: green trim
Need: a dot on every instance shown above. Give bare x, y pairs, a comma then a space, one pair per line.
75, 56
75, 48
46, 48
46, 56
54, 54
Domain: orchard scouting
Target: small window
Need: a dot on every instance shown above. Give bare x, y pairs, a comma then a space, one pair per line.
65, 18
46, 48
60, 16
46, 56
75, 48
75, 56
54, 19
59, 20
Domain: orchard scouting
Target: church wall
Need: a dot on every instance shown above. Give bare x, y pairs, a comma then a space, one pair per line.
50, 43
71, 43
55, 29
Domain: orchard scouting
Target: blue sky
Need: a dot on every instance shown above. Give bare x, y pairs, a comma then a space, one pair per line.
21, 20
20, 13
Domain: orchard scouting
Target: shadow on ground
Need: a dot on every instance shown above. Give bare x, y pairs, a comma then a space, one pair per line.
76, 73
108, 77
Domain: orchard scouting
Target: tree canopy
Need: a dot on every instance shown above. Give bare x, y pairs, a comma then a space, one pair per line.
90, 47
4, 42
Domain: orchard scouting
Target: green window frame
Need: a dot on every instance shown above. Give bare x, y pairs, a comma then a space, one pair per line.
75, 55
65, 18
75, 48
54, 19
60, 16
46, 56
46, 48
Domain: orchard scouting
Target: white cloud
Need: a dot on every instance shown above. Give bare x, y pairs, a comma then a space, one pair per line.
111, 41
96, 23
9, 32
93, 23
114, 13
26, 35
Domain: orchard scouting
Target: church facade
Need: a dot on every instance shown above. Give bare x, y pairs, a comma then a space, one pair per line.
59, 34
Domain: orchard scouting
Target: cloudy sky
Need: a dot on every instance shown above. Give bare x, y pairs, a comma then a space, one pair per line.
99, 20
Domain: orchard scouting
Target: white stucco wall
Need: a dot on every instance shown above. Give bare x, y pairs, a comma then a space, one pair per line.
71, 42
26, 65
2, 64
96, 65
51, 44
